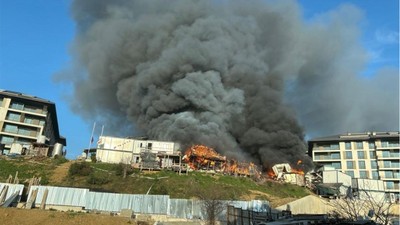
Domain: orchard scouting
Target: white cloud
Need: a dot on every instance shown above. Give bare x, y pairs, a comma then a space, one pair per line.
387, 37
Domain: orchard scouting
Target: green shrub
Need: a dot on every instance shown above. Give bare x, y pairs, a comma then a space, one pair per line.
97, 179
93, 158
58, 160
80, 169
119, 169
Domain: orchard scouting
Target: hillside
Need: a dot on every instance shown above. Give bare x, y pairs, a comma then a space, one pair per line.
109, 178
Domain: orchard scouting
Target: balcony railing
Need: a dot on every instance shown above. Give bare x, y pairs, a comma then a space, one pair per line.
21, 132
320, 157
27, 109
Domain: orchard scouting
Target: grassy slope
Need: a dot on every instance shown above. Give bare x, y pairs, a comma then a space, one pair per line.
107, 177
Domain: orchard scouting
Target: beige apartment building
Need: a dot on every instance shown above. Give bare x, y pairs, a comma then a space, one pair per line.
370, 155
27, 120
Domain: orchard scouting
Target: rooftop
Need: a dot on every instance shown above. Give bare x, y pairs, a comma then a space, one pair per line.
15, 94
358, 136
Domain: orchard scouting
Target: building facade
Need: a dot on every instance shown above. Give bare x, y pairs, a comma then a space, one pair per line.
371, 155
26, 120
133, 151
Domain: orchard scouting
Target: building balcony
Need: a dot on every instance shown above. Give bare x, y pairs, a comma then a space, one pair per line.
28, 124
392, 188
19, 133
389, 168
390, 178
326, 159
392, 157
40, 113
325, 149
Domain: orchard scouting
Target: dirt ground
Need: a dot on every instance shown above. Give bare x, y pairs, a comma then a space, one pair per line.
60, 172
14, 216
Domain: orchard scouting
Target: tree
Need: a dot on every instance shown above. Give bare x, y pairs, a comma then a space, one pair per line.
366, 203
211, 201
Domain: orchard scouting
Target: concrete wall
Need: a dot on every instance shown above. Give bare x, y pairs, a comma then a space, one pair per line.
334, 176
113, 156
368, 188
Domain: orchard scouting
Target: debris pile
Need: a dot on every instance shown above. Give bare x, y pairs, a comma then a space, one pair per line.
201, 157
284, 172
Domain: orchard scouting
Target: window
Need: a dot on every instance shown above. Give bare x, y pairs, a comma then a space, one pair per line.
384, 144
337, 165
361, 164
350, 173
388, 174
371, 145
375, 175
393, 143
386, 154
24, 141
13, 116
11, 128
27, 132
364, 174
349, 155
395, 164
334, 147
347, 145
389, 184
359, 145
6, 140
394, 154
350, 165
323, 147
335, 156
361, 154
372, 155
386, 164
396, 174
28, 120
16, 105
34, 109
374, 164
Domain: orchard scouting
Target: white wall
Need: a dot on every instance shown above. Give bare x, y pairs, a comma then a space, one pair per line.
117, 150
334, 176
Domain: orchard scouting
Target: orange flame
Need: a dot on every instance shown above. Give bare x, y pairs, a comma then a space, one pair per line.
201, 156
198, 156
298, 171
271, 173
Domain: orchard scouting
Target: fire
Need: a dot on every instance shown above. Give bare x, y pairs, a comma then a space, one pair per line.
203, 157
271, 173
198, 156
297, 171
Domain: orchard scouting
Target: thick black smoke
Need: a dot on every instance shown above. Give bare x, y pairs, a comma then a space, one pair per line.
225, 74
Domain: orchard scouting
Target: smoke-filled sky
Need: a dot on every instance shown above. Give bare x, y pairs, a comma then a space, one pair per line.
253, 79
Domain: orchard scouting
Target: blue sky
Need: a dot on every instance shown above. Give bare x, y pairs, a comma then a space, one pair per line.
35, 36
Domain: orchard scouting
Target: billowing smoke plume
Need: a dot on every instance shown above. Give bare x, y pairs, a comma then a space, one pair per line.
240, 77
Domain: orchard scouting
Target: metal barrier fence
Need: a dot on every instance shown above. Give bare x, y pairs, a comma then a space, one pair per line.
146, 204
239, 216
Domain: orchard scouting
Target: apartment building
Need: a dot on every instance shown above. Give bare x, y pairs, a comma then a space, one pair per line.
27, 120
370, 155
